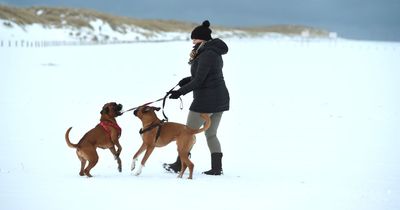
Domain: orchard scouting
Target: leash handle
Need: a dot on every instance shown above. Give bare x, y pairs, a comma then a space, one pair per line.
164, 99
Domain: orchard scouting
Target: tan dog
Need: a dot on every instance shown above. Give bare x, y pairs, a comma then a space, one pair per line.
156, 133
105, 135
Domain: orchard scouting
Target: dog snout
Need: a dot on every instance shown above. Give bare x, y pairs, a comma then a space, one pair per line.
119, 107
135, 112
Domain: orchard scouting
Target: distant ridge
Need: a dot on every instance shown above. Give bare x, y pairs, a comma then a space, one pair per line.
76, 19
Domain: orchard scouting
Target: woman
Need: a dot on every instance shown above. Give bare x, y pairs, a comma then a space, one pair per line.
210, 94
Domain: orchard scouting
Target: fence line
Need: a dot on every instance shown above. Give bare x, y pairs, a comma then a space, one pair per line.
26, 43
301, 41
42, 44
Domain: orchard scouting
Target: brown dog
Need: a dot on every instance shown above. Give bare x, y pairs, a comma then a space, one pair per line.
156, 133
105, 135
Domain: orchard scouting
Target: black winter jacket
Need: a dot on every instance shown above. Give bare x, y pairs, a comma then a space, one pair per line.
210, 94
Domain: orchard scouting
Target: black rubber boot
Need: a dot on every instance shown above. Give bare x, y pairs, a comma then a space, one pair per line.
216, 164
173, 167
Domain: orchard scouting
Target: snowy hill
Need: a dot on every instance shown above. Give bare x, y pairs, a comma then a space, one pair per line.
314, 124
71, 25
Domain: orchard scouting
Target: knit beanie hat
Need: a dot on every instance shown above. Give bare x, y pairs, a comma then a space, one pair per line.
202, 32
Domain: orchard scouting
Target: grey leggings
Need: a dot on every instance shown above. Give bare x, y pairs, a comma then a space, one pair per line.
195, 121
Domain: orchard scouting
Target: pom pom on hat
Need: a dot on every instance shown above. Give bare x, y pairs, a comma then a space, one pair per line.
202, 31
206, 23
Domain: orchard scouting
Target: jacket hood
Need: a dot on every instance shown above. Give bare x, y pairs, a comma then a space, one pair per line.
217, 45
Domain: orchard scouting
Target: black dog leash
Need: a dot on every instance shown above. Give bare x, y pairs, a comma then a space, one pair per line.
134, 108
164, 99
160, 99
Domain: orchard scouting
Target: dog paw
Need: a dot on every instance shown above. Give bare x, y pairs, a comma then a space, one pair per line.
139, 171
133, 164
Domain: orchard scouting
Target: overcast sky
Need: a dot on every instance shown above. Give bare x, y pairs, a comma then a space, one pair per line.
360, 19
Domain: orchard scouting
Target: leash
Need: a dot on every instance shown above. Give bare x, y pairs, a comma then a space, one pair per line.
160, 99
134, 108
164, 99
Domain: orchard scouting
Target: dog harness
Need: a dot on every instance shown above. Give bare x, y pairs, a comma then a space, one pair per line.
107, 124
158, 125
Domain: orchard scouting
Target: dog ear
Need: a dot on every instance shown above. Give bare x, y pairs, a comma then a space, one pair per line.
105, 110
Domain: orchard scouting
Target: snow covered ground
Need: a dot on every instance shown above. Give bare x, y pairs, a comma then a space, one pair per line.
312, 125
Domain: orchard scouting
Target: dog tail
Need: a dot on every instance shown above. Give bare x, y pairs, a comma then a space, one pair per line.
207, 124
68, 141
